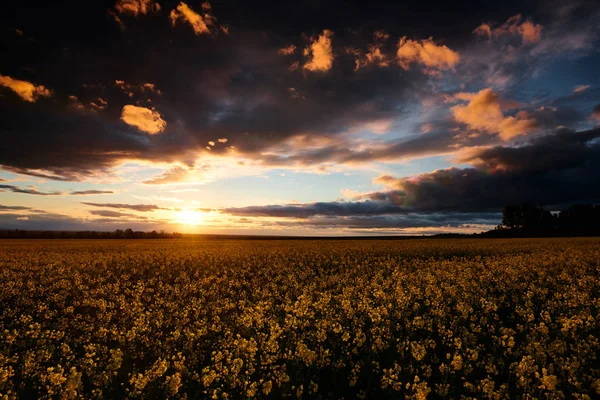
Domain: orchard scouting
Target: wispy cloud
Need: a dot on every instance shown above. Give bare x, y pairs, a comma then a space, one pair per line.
90, 192
134, 207
581, 88
16, 189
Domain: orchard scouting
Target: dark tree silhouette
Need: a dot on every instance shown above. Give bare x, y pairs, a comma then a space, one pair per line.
531, 220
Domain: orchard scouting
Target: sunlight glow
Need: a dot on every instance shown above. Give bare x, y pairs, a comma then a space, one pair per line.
190, 217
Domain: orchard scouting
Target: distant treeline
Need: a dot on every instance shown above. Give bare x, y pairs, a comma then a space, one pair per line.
118, 234
522, 220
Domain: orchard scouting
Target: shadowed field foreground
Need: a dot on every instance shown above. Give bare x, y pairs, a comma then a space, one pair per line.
485, 319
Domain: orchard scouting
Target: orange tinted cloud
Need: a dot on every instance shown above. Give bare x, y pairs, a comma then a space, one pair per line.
581, 88
484, 30
26, 90
380, 35
320, 53
379, 127
529, 32
136, 7
288, 50
434, 57
145, 119
75, 103
199, 23
373, 57
596, 113
483, 113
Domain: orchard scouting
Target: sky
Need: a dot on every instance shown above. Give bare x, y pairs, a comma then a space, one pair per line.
295, 118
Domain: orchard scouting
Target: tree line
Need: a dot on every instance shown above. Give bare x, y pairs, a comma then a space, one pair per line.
532, 220
117, 234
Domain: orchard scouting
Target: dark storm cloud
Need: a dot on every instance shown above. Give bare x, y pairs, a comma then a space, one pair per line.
235, 86
556, 169
135, 207
320, 208
232, 86
409, 220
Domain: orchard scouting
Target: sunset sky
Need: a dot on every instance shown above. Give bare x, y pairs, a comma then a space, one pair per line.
295, 118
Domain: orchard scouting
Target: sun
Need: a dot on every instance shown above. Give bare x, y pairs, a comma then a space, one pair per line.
190, 217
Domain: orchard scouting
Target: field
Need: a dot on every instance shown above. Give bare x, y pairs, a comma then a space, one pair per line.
485, 319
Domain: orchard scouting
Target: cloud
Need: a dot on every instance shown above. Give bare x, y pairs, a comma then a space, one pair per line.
145, 119
552, 170
90, 192
313, 209
484, 30
114, 214
25, 90
374, 56
173, 175
483, 113
434, 57
98, 104
13, 208
581, 88
596, 112
287, 50
200, 23
527, 30
16, 189
134, 207
316, 220
320, 53
136, 7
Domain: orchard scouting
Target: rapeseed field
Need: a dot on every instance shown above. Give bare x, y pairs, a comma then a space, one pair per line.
324, 319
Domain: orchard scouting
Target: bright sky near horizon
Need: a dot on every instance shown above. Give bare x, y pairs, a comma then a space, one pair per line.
295, 119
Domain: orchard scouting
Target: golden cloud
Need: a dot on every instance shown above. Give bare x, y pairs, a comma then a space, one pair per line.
320, 53
434, 57
136, 7
26, 90
145, 119
484, 113
199, 23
